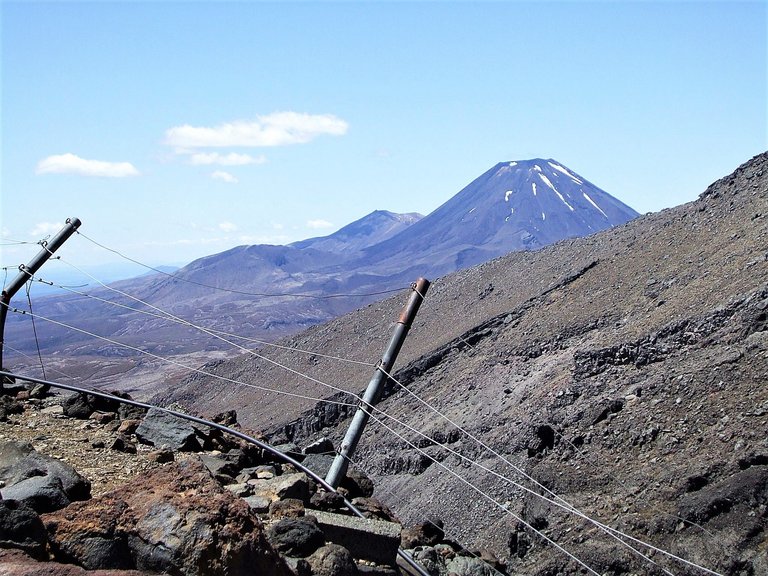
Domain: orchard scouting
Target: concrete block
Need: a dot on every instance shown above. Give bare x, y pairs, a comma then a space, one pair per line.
374, 540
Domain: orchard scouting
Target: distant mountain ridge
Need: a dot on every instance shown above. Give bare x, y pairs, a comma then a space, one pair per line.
519, 205
376, 227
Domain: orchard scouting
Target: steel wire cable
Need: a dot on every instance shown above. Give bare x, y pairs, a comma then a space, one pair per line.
11, 242
237, 433
368, 471
171, 317
242, 292
489, 498
567, 506
20, 353
564, 504
181, 365
34, 328
177, 319
165, 315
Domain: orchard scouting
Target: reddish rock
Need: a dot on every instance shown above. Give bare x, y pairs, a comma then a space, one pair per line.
288, 508
178, 519
128, 427
16, 563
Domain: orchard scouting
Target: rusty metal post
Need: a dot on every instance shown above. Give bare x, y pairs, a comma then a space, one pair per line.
26, 272
375, 387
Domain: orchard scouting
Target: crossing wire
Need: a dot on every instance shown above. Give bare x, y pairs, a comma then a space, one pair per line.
165, 315
34, 328
172, 317
242, 292
236, 433
490, 498
179, 320
567, 506
556, 500
181, 365
564, 505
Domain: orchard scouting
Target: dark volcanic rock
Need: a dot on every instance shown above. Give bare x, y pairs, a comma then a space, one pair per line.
42, 482
177, 520
82, 405
9, 406
21, 527
162, 429
747, 489
297, 537
357, 483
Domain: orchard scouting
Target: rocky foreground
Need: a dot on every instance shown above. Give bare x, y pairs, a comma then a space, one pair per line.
164, 496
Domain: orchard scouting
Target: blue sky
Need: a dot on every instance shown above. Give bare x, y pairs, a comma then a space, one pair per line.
175, 130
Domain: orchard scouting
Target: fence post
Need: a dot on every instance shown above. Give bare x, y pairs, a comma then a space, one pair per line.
375, 388
26, 272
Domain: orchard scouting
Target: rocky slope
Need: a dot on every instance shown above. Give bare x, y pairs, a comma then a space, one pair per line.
190, 500
624, 371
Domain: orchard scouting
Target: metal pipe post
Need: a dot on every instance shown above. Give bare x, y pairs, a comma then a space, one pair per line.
26, 272
375, 388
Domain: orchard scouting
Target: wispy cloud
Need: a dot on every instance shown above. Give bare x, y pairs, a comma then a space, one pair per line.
319, 224
224, 177
232, 159
72, 164
227, 226
276, 129
43, 229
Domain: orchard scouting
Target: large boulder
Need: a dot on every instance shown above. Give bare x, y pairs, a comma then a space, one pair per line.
178, 520
162, 429
83, 405
44, 483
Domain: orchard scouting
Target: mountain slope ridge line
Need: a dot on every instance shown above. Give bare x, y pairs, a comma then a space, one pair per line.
314, 419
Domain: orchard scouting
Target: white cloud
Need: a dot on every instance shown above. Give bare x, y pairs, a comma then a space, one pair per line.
276, 129
224, 177
72, 164
227, 226
232, 159
318, 224
42, 229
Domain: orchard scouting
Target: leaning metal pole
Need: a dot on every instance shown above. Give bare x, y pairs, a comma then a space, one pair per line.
236, 433
375, 387
27, 271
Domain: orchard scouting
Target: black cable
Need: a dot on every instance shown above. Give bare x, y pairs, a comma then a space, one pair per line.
34, 327
250, 439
